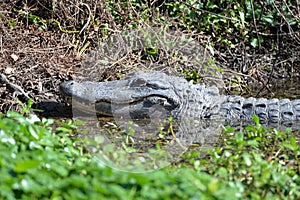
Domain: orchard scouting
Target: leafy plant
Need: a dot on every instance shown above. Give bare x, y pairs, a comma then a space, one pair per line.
37, 163
256, 161
192, 75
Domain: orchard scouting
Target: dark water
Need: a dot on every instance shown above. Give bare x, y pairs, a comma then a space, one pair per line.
288, 88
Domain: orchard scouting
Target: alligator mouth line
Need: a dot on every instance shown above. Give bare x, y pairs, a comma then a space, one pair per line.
104, 107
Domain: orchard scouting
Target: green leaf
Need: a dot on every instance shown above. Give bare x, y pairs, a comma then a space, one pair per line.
239, 136
34, 131
242, 17
60, 169
228, 129
256, 120
247, 159
254, 42
268, 19
26, 165
252, 143
292, 144
64, 130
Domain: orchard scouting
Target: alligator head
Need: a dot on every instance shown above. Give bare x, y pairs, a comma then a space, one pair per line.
142, 95
139, 95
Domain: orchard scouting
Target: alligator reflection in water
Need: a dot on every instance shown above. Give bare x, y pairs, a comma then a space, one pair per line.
144, 145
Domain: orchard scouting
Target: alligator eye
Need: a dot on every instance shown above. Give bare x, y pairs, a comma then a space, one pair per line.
153, 86
138, 82
157, 84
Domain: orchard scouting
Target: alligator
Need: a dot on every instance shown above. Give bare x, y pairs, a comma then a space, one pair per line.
150, 94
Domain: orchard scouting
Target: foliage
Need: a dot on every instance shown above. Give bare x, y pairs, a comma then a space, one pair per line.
236, 30
224, 18
244, 19
37, 162
262, 163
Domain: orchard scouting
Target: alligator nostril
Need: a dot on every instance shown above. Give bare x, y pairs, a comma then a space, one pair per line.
69, 83
67, 88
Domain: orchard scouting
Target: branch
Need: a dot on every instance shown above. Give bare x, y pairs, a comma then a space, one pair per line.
17, 90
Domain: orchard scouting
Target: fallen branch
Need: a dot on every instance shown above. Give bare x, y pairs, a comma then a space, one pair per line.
17, 90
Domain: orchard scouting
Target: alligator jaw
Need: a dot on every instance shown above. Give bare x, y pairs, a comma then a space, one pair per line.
140, 108
116, 98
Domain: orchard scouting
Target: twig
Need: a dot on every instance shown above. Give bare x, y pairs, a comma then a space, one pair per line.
17, 90
254, 22
288, 25
89, 18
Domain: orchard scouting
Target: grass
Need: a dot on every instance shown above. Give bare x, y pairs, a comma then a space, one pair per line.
40, 162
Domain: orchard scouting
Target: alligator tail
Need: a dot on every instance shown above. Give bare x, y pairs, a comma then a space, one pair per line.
237, 107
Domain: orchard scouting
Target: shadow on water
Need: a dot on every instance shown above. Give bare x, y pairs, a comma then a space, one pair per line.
51, 109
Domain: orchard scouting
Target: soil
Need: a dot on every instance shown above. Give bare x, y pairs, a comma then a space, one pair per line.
36, 60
